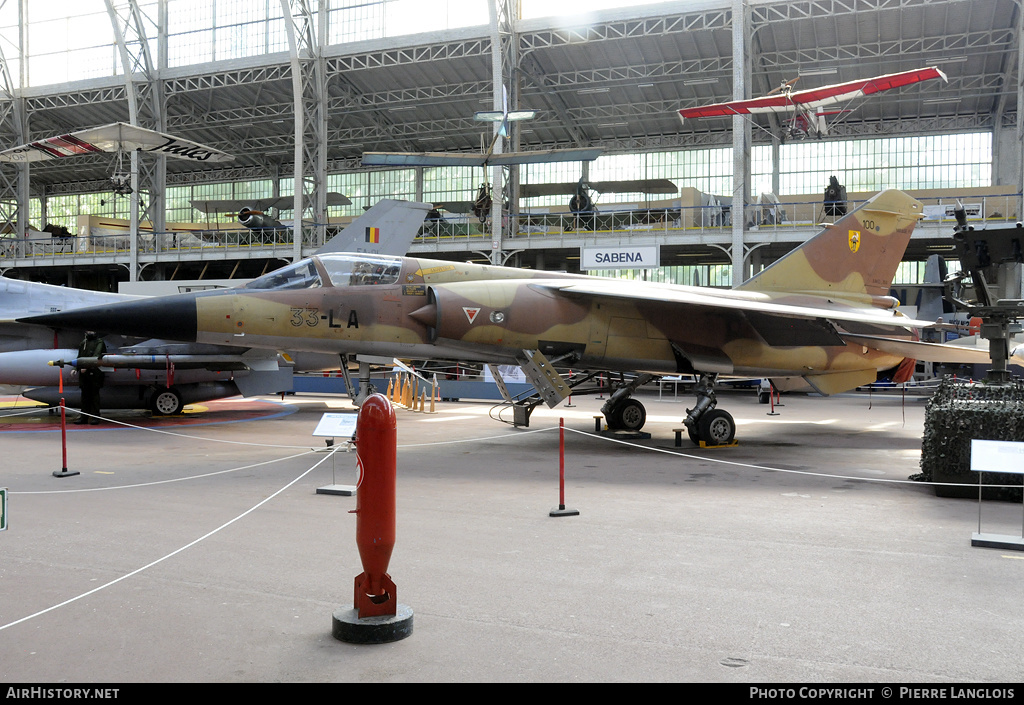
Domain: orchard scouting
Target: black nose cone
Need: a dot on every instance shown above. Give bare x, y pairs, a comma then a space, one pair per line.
169, 317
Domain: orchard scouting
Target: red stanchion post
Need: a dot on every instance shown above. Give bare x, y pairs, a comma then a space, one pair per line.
376, 616
561, 511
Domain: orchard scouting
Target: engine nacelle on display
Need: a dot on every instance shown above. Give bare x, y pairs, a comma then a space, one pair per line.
502, 314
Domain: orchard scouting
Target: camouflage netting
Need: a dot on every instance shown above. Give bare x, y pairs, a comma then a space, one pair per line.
958, 412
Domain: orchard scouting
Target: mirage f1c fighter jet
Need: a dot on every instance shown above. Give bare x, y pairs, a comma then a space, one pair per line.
822, 313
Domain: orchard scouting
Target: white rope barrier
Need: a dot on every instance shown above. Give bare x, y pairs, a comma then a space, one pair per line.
172, 553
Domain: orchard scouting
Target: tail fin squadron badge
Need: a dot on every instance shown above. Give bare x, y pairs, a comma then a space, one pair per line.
854, 240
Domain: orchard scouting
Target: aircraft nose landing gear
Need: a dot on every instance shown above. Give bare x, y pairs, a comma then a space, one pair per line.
630, 415
704, 422
624, 413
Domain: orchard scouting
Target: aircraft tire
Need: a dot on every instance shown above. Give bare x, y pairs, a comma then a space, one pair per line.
764, 397
717, 427
166, 401
630, 415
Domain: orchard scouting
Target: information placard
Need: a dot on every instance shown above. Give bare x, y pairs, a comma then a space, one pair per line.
997, 456
336, 425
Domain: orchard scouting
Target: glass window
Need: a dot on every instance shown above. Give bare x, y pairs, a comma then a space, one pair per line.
366, 188
354, 20
927, 162
301, 275
361, 270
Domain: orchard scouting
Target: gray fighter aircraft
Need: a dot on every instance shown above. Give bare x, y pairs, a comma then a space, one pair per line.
162, 375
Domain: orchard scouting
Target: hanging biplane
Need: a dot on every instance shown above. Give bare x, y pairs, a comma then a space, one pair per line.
487, 156
807, 116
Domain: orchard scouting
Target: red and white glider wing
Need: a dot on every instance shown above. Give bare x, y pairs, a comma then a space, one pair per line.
814, 97
830, 95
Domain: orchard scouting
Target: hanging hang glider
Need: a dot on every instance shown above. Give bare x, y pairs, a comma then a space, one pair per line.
118, 138
806, 107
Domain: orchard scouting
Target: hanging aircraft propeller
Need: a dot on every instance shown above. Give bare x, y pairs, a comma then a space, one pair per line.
784, 86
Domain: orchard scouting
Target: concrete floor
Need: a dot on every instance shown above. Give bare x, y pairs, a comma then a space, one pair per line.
699, 565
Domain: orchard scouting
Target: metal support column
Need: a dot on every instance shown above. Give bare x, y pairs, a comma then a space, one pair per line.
133, 30
1019, 161
306, 37
504, 180
741, 137
13, 130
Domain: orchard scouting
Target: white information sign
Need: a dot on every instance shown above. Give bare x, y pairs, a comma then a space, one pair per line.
342, 425
997, 456
621, 257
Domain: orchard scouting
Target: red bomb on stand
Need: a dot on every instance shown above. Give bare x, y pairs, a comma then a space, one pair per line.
376, 616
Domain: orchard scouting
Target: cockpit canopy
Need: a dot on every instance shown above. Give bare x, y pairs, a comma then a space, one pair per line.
360, 270
342, 270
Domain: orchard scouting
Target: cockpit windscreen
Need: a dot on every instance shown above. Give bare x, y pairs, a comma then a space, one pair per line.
361, 270
301, 275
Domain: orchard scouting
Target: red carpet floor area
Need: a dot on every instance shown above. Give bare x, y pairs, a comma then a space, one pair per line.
21, 415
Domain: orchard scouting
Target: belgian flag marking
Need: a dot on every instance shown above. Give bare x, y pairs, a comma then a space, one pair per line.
373, 235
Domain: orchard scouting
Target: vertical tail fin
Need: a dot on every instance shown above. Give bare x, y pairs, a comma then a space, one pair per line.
388, 228
856, 256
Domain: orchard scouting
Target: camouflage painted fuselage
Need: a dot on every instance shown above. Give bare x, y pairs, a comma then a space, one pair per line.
821, 313
490, 314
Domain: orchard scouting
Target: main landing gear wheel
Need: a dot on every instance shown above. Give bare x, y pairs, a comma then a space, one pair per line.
704, 422
166, 402
717, 427
630, 415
